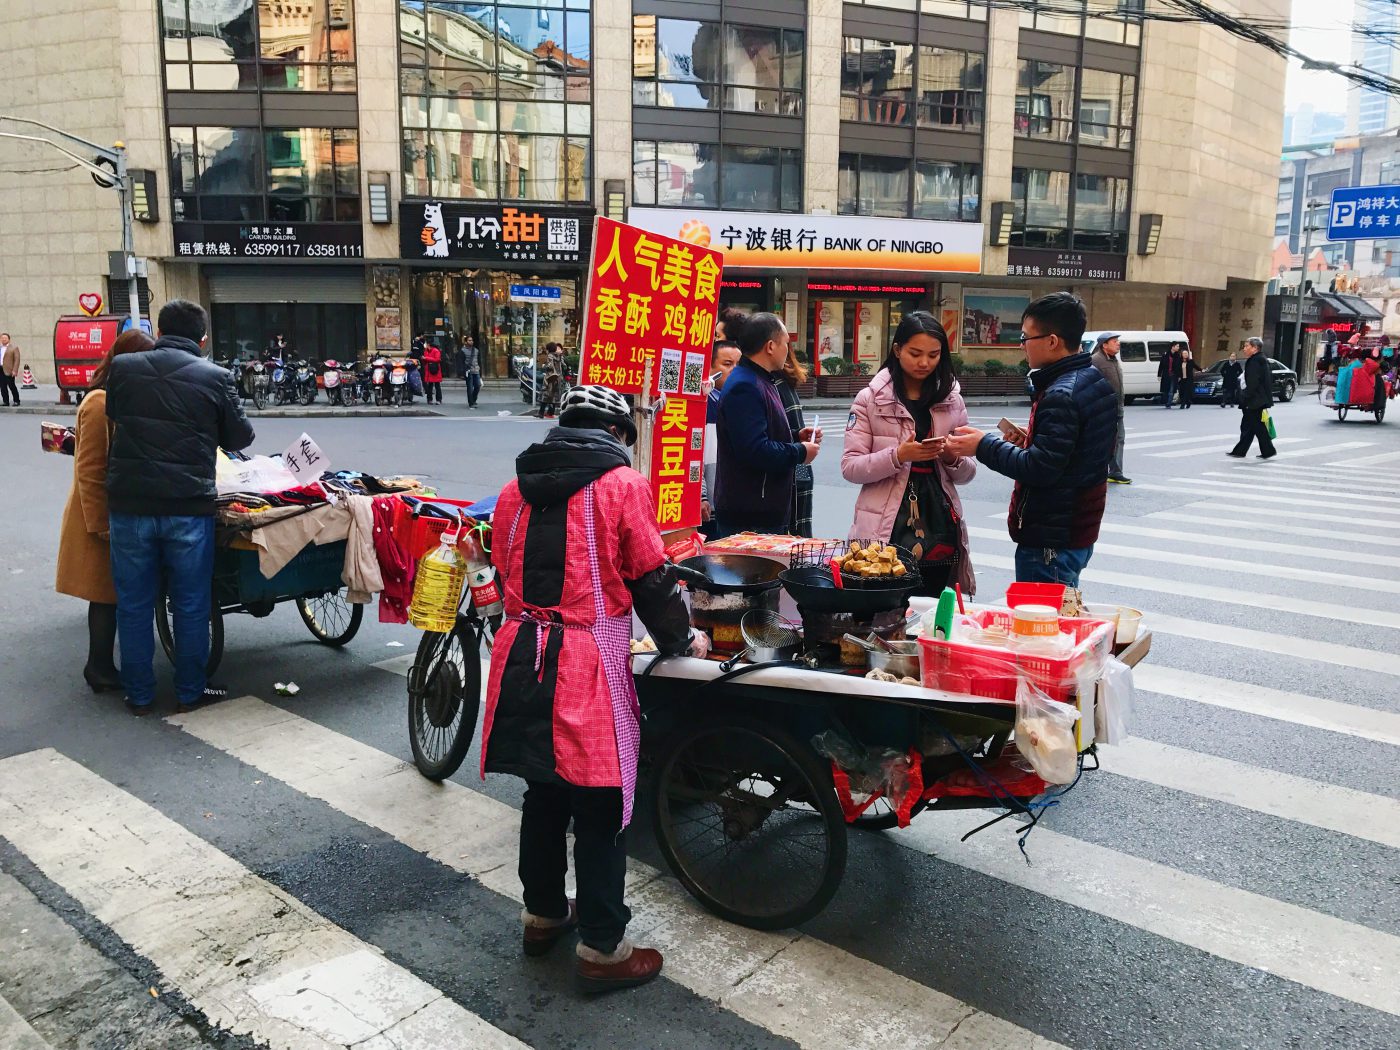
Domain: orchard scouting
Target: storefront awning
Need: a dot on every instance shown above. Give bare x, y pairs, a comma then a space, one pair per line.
1363, 310
1335, 309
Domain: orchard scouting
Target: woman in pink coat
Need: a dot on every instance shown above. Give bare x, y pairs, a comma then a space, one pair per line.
894, 451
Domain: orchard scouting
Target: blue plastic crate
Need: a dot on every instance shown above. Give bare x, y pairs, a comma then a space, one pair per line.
314, 570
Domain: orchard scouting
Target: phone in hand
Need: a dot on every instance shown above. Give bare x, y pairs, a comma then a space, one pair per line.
1011, 432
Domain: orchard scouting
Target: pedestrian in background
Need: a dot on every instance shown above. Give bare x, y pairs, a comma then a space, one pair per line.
1167, 369
171, 412
896, 451
1186, 378
1105, 359
758, 450
84, 551
469, 364
11, 361
792, 376
723, 358
1230, 375
1060, 465
432, 373
1255, 401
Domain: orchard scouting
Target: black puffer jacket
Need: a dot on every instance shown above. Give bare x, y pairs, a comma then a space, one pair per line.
1062, 474
171, 410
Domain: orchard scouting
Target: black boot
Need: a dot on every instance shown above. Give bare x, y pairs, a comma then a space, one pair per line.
101, 670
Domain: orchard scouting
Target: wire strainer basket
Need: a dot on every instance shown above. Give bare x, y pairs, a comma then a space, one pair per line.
765, 629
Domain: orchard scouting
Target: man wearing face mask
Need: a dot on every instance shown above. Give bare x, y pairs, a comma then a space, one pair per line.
757, 448
1061, 465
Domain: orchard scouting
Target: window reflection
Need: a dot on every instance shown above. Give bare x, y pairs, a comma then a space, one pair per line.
696, 174
877, 81
244, 45
1045, 100
681, 63
895, 186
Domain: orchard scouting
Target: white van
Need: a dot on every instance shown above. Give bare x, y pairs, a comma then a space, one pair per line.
1140, 353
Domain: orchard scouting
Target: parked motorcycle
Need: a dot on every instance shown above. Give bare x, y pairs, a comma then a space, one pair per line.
305, 377
398, 382
337, 390
527, 382
364, 382
379, 378
284, 381
256, 382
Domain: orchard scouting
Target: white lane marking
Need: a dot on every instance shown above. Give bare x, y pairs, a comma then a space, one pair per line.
1321, 805
1322, 450
1366, 461
1348, 522
780, 981
1252, 527
1204, 453
1260, 641
15, 1031
1224, 595
300, 982
1296, 708
1135, 433
1318, 951
397, 665
1259, 494
1344, 471
1376, 495
1247, 544
1195, 439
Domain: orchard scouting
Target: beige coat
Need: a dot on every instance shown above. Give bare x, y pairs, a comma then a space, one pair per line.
84, 558
11, 361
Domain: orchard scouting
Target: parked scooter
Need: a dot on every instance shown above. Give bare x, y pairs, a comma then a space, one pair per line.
379, 378
284, 381
364, 382
305, 381
398, 382
337, 390
256, 382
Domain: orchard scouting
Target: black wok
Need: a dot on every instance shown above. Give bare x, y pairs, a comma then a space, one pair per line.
812, 589
729, 573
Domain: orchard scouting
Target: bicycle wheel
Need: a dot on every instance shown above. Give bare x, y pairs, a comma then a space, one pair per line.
259, 394
332, 619
444, 700
748, 821
165, 630
882, 817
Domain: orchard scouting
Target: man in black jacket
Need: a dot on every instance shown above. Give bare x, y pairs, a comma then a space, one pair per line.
1257, 397
171, 411
1061, 468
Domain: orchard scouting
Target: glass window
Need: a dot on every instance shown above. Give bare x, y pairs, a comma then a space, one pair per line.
868, 185
751, 177
543, 168
1106, 108
950, 88
947, 191
247, 45
679, 63
1041, 208
973, 9
743, 178
877, 81
1045, 100
1100, 213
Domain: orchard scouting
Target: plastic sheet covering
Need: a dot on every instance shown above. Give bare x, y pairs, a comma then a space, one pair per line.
1045, 735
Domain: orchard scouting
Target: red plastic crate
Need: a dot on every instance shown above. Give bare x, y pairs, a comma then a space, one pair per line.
977, 670
420, 535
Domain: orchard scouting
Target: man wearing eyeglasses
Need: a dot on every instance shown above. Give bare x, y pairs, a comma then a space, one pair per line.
1060, 465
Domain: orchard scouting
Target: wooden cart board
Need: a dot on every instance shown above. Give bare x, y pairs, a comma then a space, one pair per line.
1137, 650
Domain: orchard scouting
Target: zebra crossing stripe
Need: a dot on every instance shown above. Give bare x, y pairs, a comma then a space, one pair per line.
778, 981
1247, 542
1331, 498
1322, 450
1190, 487
1202, 522
1223, 443
1350, 522
1373, 496
289, 977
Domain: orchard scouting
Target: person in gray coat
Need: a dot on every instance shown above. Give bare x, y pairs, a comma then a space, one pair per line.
1105, 359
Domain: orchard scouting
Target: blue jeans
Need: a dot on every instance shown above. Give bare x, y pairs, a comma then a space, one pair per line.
179, 550
473, 387
1043, 565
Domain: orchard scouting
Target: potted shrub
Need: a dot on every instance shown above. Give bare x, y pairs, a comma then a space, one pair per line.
852, 378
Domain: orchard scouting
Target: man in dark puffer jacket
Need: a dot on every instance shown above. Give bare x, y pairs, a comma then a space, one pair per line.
171, 411
1061, 469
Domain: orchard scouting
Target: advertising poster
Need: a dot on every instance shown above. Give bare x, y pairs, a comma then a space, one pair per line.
991, 319
653, 299
388, 333
870, 331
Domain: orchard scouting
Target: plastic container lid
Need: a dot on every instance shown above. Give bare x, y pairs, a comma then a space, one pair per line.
1036, 620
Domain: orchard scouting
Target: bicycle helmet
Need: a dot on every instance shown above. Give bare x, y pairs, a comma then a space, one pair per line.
598, 404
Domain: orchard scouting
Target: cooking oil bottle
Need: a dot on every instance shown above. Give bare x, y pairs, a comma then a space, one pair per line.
437, 589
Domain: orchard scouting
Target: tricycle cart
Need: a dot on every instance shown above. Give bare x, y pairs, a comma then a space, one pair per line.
312, 579
1368, 396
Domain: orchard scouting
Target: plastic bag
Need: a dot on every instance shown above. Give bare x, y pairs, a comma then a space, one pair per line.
1045, 734
1116, 703
259, 474
870, 773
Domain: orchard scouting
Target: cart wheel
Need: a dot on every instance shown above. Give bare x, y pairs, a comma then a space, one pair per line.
882, 817
1341, 413
332, 619
259, 394
748, 820
444, 698
166, 631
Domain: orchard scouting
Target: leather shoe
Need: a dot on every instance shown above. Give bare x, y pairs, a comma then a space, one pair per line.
1271, 455
539, 939
101, 681
643, 965
1235, 455
139, 710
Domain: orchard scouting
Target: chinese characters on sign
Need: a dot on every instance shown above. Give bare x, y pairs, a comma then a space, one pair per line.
493, 233
1359, 212
304, 458
1071, 266
653, 299
238, 240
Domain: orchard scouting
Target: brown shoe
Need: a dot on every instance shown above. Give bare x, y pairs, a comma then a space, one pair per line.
639, 967
539, 939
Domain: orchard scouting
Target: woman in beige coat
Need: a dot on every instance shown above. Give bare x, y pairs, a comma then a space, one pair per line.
84, 560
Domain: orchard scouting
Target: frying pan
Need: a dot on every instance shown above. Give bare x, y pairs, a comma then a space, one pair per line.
813, 591
730, 573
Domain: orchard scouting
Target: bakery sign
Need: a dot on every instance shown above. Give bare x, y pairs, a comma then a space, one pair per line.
1066, 265
509, 234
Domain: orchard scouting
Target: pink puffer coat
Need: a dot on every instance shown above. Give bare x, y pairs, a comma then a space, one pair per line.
877, 426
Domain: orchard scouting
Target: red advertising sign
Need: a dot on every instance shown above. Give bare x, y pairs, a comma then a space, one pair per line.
648, 294
79, 344
677, 458
90, 303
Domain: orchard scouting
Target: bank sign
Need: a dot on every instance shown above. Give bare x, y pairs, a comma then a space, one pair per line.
766, 241
1361, 212
508, 234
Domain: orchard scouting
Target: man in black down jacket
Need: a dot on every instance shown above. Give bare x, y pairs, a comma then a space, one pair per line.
171, 410
1061, 470
1258, 396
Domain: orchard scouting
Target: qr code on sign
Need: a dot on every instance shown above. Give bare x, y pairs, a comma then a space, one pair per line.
694, 473
563, 235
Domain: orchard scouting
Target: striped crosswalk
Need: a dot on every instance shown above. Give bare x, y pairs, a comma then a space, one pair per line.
1225, 880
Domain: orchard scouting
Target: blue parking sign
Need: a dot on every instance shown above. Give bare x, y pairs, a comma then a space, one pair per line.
1364, 212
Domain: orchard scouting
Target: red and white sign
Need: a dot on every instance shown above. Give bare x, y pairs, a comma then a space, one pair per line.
90, 303
79, 344
653, 298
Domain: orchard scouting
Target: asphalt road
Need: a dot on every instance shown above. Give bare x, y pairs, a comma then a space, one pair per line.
1227, 880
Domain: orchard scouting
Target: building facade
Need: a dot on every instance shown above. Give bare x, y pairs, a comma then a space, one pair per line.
356, 173
1374, 25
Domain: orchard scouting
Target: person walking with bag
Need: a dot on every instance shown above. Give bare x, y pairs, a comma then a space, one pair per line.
84, 548
895, 451
1255, 402
432, 373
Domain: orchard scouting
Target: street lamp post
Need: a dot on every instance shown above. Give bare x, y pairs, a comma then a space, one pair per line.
1308, 228
115, 176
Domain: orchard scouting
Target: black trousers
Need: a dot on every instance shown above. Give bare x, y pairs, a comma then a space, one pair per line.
1251, 427
600, 858
8, 388
434, 390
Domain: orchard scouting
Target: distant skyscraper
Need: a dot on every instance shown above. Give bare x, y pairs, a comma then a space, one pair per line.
1368, 111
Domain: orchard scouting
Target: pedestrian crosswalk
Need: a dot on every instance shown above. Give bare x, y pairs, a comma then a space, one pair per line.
1224, 881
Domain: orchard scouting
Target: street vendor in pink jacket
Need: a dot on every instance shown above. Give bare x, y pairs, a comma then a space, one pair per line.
895, 452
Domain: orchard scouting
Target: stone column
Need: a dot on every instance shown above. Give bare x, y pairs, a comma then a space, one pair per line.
822, 105
377, 62
612, 96
999, 132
